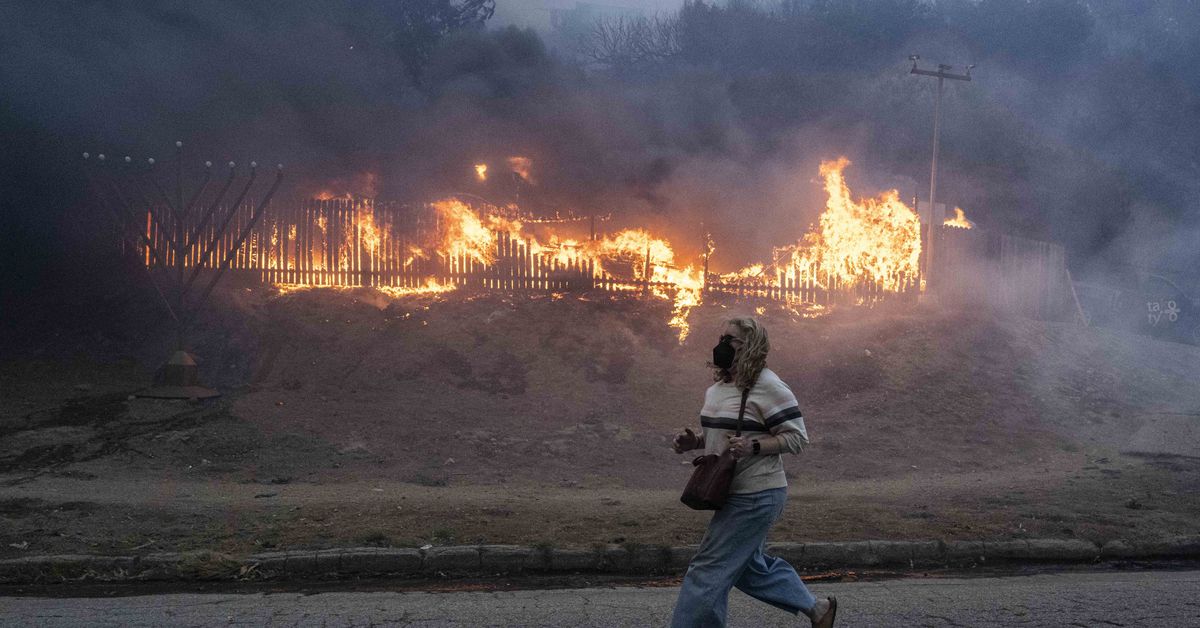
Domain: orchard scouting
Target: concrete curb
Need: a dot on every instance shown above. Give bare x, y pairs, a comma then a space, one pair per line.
486, 560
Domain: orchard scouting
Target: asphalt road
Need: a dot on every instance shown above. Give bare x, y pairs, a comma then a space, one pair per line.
1142, 598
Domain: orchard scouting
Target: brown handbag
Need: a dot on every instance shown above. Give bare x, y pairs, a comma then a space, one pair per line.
712, 474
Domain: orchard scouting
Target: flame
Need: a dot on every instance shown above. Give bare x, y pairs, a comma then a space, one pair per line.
414, 253
959, 220
431, 287
633, 253
630, 259
288, 288
345, 250
753, 272
481, 172
368, 233
871, 242
323, 233
653, 262
875, 239
523, 167
273, 252
807, 310
467, 234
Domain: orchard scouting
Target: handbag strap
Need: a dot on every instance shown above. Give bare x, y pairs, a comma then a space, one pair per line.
742, 410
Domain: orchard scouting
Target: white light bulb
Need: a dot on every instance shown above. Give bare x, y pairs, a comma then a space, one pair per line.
86, 156
254, 164
279, 166
208, 164
101, 156
128, 159
231, 164
150, 161
178, 144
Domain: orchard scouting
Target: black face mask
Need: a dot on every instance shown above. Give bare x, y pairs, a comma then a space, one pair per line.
723, 353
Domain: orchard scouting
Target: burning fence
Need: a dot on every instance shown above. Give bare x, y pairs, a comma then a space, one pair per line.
860, 251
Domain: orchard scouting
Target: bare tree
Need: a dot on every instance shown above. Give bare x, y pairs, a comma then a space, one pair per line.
625, 41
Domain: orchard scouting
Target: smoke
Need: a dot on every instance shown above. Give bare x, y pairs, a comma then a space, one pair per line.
1072, 129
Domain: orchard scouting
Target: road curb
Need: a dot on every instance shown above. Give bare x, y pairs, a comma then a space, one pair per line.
488, 560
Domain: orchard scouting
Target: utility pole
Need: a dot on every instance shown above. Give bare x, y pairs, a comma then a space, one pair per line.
942, 73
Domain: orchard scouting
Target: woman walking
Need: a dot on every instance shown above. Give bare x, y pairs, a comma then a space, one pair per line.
731, 553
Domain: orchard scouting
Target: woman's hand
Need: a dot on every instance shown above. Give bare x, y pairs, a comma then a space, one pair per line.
685, 441
740, 446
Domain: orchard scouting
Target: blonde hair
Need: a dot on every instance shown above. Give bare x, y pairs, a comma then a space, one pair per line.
751, 358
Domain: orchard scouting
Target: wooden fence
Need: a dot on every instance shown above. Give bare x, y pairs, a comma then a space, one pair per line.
363, 243
1017, 274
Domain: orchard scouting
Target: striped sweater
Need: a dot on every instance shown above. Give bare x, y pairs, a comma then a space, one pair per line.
770, 409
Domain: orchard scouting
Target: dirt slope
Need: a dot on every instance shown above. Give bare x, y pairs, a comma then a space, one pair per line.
547, 419
569, 390
488, 389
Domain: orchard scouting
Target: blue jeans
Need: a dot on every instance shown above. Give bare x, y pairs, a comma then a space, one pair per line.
731, 555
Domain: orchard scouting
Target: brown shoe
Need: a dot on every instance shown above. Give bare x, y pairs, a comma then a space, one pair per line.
826, 620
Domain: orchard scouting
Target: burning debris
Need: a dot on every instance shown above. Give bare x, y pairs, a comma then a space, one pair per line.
959, 220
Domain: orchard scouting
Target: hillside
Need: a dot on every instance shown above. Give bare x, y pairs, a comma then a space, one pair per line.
503, 418
529, 389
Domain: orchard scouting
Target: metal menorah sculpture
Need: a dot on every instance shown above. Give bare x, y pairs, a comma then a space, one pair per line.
183, 247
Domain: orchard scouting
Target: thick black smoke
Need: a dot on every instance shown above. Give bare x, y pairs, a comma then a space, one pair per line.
1079, 125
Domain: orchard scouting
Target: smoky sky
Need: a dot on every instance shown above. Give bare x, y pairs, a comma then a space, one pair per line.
1080, 123
536, 12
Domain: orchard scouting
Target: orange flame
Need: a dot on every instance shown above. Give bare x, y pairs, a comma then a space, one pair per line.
523, 166
369, 234
873, 240
653, 262
635, 253
430, 287
868, 241
753, 272
466, 233
959, 220
481, 172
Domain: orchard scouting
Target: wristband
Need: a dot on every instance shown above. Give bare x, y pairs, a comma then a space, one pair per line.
757, 447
